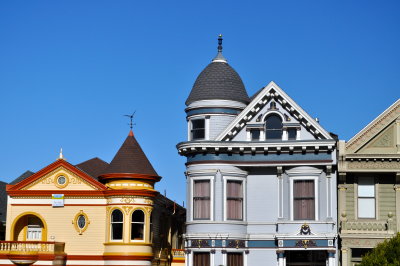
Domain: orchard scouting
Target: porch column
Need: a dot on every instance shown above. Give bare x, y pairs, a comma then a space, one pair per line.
345, 256
281, 257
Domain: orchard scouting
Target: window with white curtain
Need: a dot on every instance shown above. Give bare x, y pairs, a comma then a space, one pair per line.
366, 197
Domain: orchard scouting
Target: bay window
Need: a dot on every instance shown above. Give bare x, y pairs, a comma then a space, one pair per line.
234, 200
201, 200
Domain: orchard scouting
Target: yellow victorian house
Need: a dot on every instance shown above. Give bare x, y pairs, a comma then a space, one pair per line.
93, 213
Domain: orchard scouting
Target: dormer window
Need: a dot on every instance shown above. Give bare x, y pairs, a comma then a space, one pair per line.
292, 133
255, 134
273, 127
198, 129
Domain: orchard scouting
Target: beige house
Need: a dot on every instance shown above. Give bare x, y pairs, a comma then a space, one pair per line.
93, 213
369, 186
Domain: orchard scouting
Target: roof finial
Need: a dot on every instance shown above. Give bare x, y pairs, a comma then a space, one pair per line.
61, 156
131, 124
220, 43
219, 57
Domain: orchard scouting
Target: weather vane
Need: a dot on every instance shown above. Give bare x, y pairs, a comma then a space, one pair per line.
131, 124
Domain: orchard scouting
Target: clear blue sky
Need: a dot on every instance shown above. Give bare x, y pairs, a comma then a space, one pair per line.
70, 70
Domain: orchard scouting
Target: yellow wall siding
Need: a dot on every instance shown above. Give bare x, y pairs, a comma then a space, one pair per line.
59, 225
49, 182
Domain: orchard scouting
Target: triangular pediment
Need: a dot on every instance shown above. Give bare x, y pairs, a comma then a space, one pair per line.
286, 107
59, 176
380, 136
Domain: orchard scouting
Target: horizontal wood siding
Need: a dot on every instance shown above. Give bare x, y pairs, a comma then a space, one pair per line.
350, 202
386, 201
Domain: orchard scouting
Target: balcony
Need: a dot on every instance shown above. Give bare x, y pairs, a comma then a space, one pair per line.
178, 256
28, 252
367, 227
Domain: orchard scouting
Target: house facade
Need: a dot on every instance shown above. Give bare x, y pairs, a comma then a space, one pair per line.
260, 176
92, 213
369, 186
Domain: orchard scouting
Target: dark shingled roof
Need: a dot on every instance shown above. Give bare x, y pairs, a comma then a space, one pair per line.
218, 81
22, 177
130, 159
93, 167
3, 202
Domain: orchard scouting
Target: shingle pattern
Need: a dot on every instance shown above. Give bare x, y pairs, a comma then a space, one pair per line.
130, 159
218, 81
93, 167
22, 177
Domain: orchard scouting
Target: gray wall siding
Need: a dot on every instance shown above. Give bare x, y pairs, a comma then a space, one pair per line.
218, 123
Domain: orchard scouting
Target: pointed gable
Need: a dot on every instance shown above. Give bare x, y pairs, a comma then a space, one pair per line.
380, 136
46, 179
272, 92
131, 159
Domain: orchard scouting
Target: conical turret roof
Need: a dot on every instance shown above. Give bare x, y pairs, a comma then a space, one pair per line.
130, 159
218, 81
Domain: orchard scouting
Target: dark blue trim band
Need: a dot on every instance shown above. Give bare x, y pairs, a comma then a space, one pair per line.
213, 111
258, 157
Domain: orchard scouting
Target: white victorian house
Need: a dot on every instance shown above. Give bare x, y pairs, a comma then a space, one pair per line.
261, 176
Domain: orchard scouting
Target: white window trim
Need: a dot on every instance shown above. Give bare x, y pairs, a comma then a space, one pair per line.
225, 256
144, 226
206, 127
190, 256
376, 187
316, 195
243, 180
197, 178
111, 224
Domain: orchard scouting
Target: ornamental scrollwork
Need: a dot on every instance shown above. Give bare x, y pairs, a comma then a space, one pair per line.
127, 200
305, 243
236, 244
200, 243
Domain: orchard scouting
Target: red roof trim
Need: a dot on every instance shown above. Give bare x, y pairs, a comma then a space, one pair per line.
52, 167
130, 176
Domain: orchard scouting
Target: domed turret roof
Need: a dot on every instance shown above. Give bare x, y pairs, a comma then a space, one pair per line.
218, 81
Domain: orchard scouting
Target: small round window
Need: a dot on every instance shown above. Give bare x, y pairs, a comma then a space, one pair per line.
81, 221
61, 180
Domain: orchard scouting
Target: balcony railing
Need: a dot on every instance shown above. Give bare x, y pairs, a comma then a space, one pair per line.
31, 247
178, 253
367, 227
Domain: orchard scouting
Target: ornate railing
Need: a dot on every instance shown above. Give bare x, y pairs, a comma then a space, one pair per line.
178, 253
31, 247
367, 227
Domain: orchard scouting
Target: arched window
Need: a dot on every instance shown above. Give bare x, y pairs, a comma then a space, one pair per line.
137, 228
117, 224
273, 127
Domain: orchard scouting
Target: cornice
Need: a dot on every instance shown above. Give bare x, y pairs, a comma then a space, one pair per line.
374, 127
190, 147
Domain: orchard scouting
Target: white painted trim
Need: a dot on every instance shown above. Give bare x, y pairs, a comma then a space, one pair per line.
316, 195
211, 179
290, 101
225, 178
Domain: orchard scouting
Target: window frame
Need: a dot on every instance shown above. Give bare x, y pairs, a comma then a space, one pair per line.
192, 181
269, 114
357, 196
191, 128
316, 195
142, 223
225, 258
225, 193
111, 225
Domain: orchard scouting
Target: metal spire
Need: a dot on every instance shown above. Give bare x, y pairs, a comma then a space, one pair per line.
131, 124
219, 57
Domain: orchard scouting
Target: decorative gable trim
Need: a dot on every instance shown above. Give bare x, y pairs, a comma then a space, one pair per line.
49, 169
272, 91
374, 128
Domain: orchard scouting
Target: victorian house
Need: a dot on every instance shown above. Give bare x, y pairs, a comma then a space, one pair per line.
369, 186
260, 174
93, 213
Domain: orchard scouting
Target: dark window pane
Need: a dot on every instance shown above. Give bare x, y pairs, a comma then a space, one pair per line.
292, 132
116, 232
117, 216
137, 231
255, 134
273, 127
198, 129
138, 216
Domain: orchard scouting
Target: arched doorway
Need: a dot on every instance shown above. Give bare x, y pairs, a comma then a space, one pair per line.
29, 227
